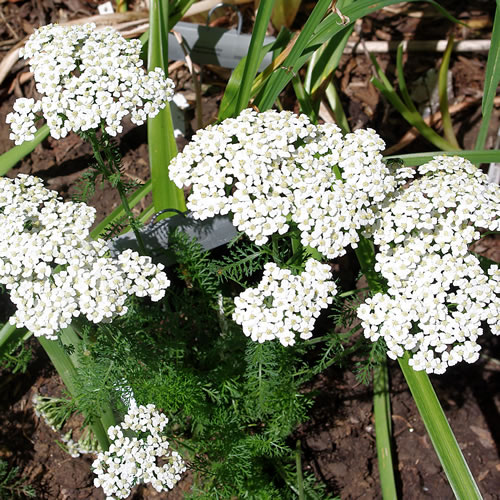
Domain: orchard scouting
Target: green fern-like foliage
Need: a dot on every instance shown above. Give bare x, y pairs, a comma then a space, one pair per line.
232, 403
241, 262
12, 484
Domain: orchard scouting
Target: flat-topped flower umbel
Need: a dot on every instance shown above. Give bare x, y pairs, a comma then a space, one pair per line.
54, 271
133, 460
439, 296
271, 170
87, 79
284, 304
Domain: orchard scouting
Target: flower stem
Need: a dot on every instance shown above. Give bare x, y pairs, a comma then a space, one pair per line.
108, 170
67, 371
383, 430
298, 463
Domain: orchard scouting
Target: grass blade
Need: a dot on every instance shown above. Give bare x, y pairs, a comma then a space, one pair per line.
413, 117
449, 134
279, 79
476, 157
161, 140
329, 58
491, 80
317, 32
457, 471
402, 81
443, 440
253, 58
229, 101
177, 10
66, 369
306, 105
383, 431
17, 153
338, 111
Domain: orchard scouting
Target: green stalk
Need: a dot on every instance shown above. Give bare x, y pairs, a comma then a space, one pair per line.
300, 477
449, 134
108, 171
457, 471
161, 140
365, 253
119, 211
17, 153
383, 430
491, 80
253, 58
67, 371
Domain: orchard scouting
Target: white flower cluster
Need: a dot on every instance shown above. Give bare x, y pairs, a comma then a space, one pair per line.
54, 271
87, 78
272, 169
130, 461
438, 295
284, 305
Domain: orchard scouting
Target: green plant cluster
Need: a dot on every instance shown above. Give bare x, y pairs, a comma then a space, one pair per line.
232, 403
12, 485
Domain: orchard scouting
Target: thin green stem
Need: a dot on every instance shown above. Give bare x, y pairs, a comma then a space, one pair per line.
65, 367
300, 477
383, 430
449, 134
108, 170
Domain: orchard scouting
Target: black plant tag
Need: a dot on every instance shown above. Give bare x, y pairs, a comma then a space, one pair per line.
210, 233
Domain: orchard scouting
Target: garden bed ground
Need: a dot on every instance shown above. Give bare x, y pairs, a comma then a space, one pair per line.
338, 442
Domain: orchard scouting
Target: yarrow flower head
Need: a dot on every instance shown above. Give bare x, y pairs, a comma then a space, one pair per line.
87, 79
439, 297
134, 460
54, 271
285, 305
273, 170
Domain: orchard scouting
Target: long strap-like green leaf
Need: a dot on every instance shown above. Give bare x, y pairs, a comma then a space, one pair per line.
457, 471
491, 80
161, 140
64, 364
444, 442
253, 58
416, 159
17, 153
316, 32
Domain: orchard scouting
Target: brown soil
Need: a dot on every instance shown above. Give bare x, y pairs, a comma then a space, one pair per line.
338, 441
